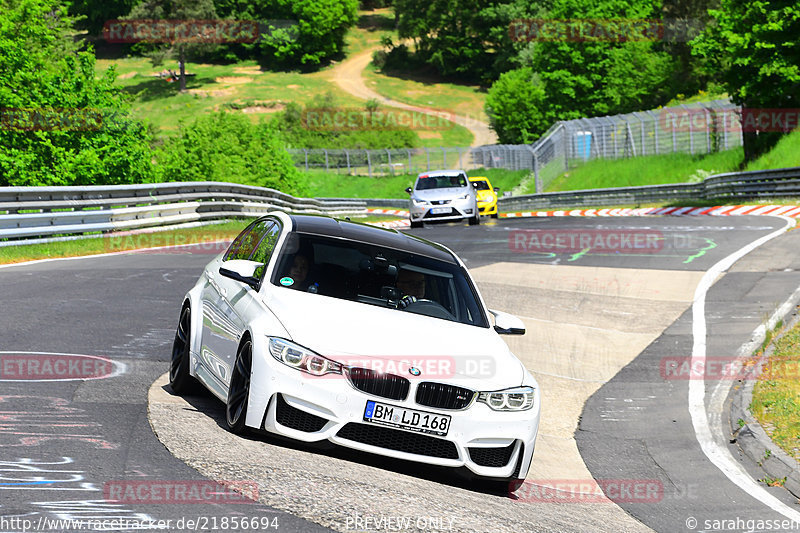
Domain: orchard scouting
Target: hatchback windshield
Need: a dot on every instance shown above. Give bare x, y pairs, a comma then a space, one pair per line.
379, 276
440, 182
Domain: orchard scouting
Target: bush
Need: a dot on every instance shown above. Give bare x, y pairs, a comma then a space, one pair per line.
61, 125
228, 147
291, 124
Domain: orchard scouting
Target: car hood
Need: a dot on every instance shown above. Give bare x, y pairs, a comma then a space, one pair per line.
390, 340
485, 196
448, 193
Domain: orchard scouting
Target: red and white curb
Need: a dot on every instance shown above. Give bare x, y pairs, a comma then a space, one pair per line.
401, 223
719, 210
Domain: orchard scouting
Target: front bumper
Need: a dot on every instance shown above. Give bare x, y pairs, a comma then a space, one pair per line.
311, 409
453, 210
487, 208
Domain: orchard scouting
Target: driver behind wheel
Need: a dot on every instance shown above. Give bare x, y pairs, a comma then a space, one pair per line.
411, 285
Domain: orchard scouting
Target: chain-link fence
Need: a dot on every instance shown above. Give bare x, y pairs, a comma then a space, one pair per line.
383, 162
693, 128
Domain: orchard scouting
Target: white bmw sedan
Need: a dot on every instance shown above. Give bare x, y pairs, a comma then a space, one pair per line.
321, 329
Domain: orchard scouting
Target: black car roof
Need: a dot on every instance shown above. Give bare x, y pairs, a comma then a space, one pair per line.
356, 231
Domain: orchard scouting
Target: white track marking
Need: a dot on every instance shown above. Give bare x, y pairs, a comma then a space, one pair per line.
713, 445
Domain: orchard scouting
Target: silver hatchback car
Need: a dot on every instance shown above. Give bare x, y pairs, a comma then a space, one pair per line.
443, 195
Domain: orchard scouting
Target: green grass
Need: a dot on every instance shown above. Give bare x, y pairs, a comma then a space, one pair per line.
216, 88
123, 241
426, 90
776, 395
785, 154
326, 185
645, 170
120, 242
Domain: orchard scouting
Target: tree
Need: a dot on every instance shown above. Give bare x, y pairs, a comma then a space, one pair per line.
96, 13
60, 123
467, 38
515, 105
172, 44
294, 32
754, 48
584, 75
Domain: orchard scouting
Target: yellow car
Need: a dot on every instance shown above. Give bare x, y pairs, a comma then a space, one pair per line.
487, 195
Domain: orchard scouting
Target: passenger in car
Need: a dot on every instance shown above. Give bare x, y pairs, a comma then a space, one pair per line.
412, 286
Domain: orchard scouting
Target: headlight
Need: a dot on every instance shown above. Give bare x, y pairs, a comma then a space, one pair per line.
301, 358
465, 197
516, 399
419, 202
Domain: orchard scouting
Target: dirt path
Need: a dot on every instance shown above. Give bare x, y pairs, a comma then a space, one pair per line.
347, 75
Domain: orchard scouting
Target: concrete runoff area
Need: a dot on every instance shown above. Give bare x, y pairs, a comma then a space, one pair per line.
584, 324
570, 358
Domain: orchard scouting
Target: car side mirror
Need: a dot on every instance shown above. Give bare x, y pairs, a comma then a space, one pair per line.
506, 324
497, 189
241, 270
408, 190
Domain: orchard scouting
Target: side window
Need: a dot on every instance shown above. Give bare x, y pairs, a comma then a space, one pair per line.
265, 248
245, 244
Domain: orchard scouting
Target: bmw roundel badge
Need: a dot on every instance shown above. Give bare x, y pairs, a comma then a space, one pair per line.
414, 371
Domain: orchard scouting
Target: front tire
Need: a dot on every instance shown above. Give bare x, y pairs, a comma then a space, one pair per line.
180, 379
239, 389
474, 221
416, 224
495, 214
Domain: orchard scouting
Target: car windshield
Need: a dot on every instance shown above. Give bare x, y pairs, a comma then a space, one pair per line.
481, 185
440, 182
379, 276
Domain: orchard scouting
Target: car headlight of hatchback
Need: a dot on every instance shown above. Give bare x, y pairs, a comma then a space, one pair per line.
516, 399
302, 359
465, 197
418, 202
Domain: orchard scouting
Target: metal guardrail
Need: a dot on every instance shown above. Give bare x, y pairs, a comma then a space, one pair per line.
777, 183
36, 212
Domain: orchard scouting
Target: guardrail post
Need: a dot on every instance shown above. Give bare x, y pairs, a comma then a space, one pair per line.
537, 182
444, 157
428, 158
305, 151
460, 153
347, 155
389, 159
408, 152
674, 144
327, 166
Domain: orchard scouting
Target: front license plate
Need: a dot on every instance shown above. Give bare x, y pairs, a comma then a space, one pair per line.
440, 210
410, 419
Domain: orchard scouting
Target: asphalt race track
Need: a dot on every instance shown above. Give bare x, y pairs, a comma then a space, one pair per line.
601, 323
